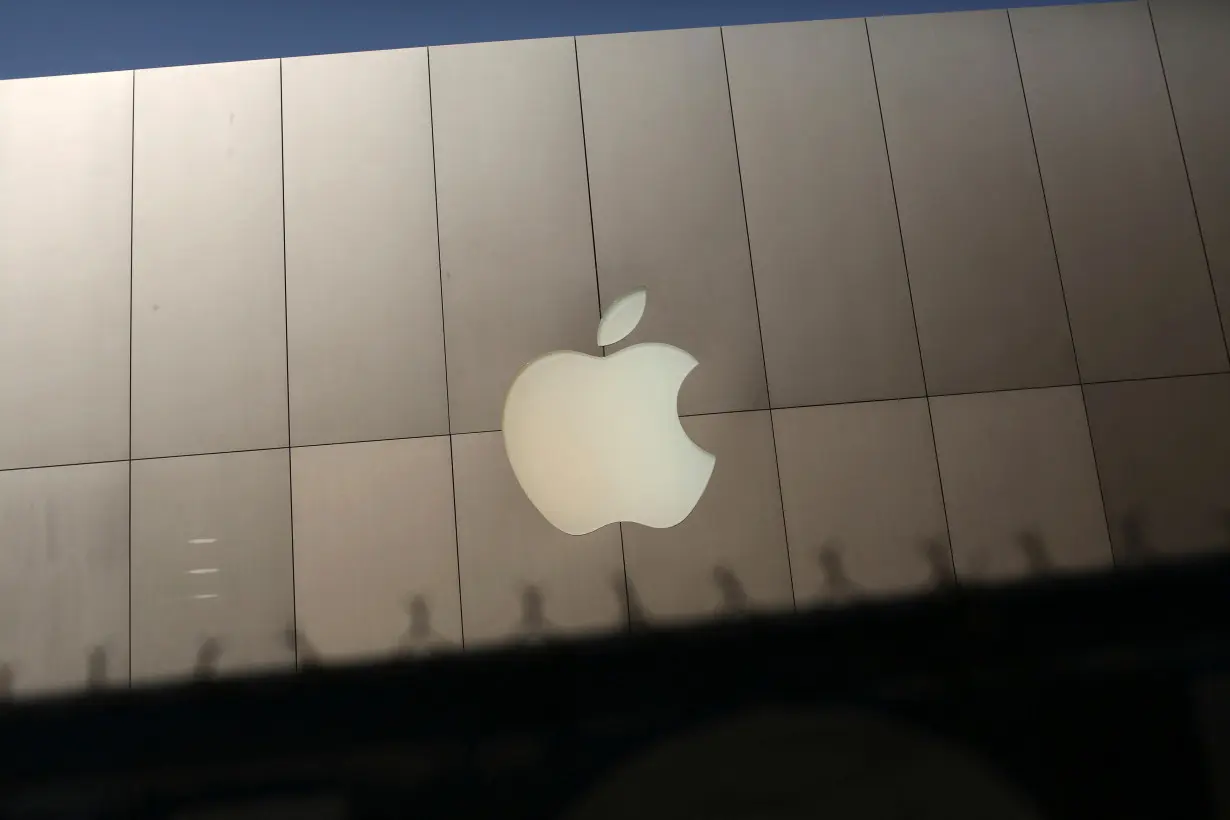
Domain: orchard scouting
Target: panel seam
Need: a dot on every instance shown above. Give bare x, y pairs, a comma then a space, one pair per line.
593, 236
905, 262
1187, 175
1205, 375
132, 218
290, 467
448, 413
1080, 381
764, 361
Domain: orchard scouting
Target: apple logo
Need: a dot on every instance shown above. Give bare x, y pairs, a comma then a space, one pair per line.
597, 440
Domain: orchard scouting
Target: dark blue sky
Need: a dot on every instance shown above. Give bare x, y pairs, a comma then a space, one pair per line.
40, 37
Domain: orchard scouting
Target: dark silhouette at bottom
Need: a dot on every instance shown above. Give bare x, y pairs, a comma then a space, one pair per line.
734, 600
533, 622
207, 655
420, 635
1033, 548
638, 616
96, 667
838, 585
304, 651
939, 560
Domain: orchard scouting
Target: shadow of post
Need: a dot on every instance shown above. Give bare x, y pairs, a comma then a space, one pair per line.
207, 655
418, 626
1033, 549
837, 583
303, 650
1136, 547
733, 597
420, 635
630, 601
96, 667
941, 573
533, 622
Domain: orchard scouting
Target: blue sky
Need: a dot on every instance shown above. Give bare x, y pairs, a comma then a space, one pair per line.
41, 37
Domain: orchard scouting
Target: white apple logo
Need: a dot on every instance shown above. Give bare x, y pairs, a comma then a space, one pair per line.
596, 440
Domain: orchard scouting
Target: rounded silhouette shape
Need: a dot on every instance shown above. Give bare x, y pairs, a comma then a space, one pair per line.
805, 763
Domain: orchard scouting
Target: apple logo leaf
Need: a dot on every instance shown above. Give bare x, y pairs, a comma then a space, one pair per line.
622, 317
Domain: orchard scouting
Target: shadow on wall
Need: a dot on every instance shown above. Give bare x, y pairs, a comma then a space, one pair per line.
534, 625
304, 650
1137, 546
938, 557
1033, 549
732, 597
533, 622
837, 582
1031, 546
1037, 557
628, 598
207, 655
96, 667
734, 600
838, 587
420, 635
95, 671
